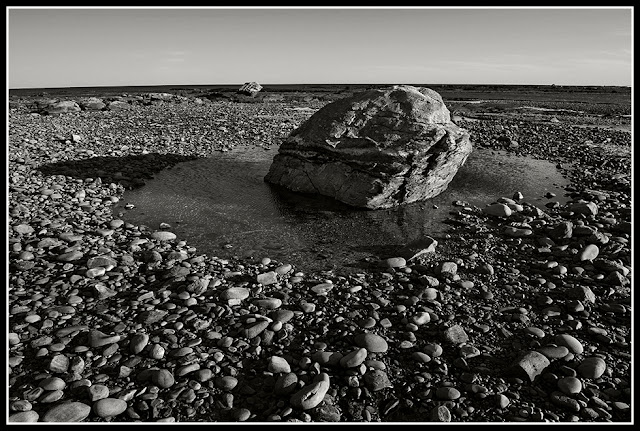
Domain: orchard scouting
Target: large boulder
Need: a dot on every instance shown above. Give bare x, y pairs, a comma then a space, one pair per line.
250, 88
377, 149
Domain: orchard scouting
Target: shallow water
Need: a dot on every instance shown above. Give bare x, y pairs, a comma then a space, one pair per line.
222, 206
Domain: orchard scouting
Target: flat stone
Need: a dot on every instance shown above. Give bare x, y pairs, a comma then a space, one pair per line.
67, 412
109, 407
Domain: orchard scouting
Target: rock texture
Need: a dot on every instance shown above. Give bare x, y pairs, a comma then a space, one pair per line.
250, 88
377, 149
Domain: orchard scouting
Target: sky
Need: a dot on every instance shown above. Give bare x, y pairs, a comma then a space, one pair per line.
91, 46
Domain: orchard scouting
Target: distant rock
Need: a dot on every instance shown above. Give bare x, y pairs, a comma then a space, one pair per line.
250, 88
376, 149
62, 107
93, 104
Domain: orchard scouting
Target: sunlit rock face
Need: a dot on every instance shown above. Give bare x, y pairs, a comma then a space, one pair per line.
376, 149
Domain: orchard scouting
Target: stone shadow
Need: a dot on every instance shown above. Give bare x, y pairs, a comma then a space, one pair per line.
130, 171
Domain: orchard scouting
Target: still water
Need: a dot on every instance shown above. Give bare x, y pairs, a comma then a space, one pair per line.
222, 206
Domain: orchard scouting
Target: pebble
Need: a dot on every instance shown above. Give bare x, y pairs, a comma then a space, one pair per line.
163, 235
372, 342
592, 367
498, 210
572, 343
109, 407
73, 411
278, 364
312, 394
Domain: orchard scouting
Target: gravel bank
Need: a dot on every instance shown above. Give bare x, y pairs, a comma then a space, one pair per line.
523, 315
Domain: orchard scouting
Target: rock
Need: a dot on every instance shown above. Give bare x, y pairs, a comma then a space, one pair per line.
377, 149
531, 364
592, 367
586, 208
395, 262
285, 384
589, 252
267, 278
28, 416
138, 343
250, 88
440, 414
312, 394
62, 107
569, 341
109, 407
372, 342
455, 335
99, 339
376, 380
418, 248
93, 104
163, 235
354, 359
67, 412
498, 210
278, 364
162, 378
570, 385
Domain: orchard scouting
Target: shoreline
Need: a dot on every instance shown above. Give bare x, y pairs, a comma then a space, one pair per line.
103, 310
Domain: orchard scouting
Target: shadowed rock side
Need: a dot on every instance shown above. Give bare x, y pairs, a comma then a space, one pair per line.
377, 149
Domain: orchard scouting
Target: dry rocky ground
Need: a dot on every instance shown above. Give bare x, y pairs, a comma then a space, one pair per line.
523, 315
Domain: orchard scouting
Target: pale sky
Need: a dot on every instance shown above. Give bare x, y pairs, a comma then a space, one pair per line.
92, 46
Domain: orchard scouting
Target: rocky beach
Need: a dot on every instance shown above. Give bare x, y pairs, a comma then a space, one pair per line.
523, 313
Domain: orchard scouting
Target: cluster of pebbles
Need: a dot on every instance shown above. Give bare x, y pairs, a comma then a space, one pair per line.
522, 315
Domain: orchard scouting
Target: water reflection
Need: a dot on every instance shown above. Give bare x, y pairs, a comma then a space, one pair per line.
223, 207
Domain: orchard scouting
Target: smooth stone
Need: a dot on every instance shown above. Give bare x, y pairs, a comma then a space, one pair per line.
572, 343
70, 256
52, 384
235, 293
372, 342
354, 359
433, 350
278, 364
554, 352
255, 329
497, 210
395, 262
163, 235
28, 416
226, 383
589, 252
162, 378
592, 367
98, 392
269, 303
67, 412
282, 315
570, 385
421, 357
311, 394
138, 343
327, 358
447, 393
109, 407
322, 288
286, 384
